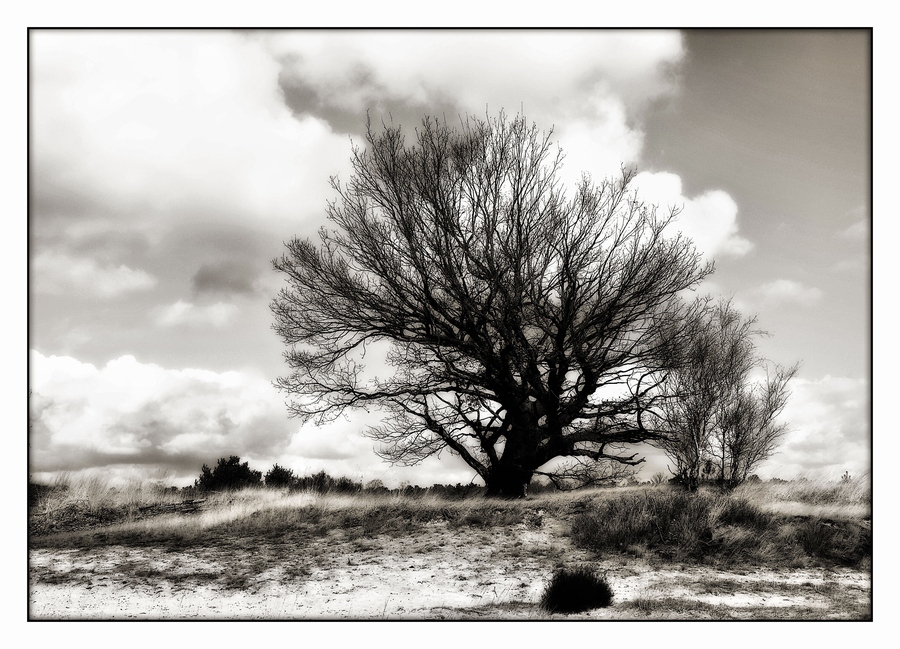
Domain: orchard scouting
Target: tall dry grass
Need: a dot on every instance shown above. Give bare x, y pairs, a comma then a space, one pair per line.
274, 513
758, 524
96, 494
842, 499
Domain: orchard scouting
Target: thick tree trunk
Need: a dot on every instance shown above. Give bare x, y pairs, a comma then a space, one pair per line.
510, 477
509, 482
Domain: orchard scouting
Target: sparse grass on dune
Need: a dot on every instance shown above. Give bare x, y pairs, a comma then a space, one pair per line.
276, 514
73, 503
723, 555
742, 527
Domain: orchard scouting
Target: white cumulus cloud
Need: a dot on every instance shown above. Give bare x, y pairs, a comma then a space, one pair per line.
788, 291
128, 413
153, 125
829, 429
590, 86
710, 219
135, 420
56, 273
187, 313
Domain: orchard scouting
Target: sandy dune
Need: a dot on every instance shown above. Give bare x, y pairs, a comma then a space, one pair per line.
440, 572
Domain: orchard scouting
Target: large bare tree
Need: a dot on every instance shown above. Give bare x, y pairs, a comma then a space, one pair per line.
524, 325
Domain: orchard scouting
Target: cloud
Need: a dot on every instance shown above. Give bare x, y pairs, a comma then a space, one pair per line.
186, 313
128, 413
592, 87
224, 277
143, 128
141, 137
354, 69
854, 265
856, 232
141, 421
829, 429
786, 291
709, 219
58, 273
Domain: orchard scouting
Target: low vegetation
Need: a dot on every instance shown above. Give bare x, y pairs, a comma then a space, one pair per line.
535, 557
795, 524
748, 526
575, 590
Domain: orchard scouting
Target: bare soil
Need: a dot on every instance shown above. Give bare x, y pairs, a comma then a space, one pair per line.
439, 571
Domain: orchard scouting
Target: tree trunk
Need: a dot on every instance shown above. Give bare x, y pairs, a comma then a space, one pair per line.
691, 482
508, 482
511, 476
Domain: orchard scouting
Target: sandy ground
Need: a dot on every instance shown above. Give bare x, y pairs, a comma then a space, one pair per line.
440, 572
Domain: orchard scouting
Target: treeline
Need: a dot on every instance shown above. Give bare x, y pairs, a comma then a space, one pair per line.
230, 474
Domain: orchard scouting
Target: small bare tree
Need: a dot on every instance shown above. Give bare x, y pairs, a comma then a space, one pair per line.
523, 325
747, 432
719, 421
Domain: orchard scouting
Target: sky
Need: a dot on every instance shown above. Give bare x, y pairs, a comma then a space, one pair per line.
168, 168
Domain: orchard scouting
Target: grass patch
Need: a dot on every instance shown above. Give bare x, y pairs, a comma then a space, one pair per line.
672, 605
672, 522
721, 528
273, 516
745, 526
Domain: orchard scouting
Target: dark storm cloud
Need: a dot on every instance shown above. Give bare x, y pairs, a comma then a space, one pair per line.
304, 99
81, 221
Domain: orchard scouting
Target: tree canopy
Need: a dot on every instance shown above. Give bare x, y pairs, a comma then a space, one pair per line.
229, 474
524, 325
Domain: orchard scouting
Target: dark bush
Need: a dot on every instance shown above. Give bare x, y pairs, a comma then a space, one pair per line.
279, 477
576, 590
228, 475
323, 483
346, 485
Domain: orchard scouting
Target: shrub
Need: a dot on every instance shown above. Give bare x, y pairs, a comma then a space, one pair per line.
576, 590
375, 486
323, 483
843, 543
278, 477
228, 475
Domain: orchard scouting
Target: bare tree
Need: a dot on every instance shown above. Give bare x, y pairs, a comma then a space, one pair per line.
719, 422
523, 325
748, 432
